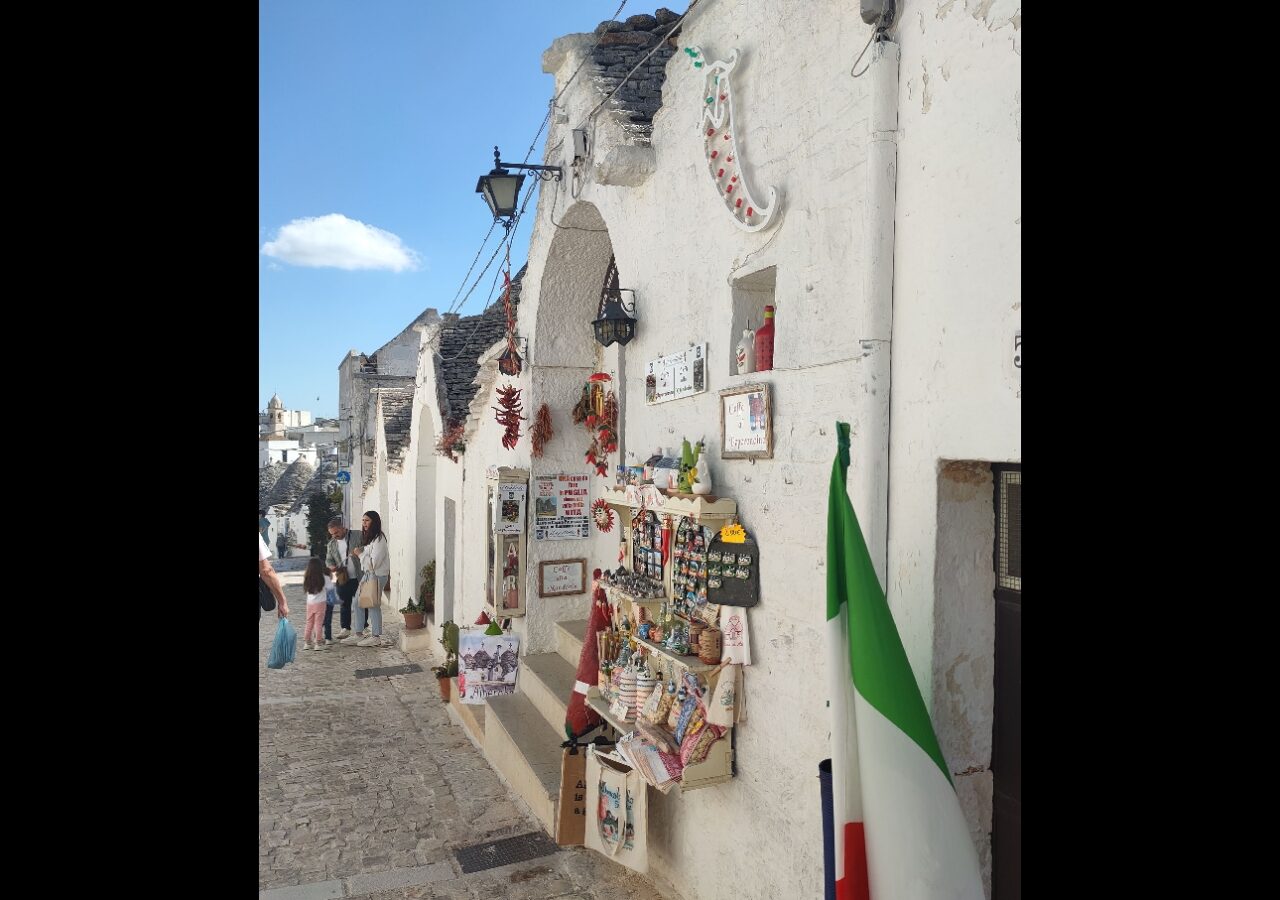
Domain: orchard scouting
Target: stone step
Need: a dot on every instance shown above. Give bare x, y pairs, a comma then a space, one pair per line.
547, 680
471, 714
569, 640
525, 749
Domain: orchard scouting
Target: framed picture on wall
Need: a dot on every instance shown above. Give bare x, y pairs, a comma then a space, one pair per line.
746, 423
562, 577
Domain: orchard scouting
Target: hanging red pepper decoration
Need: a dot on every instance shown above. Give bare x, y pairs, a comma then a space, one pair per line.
509, 415
542, 431
509, 363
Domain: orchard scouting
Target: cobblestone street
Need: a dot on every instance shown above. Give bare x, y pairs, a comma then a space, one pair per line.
367, 786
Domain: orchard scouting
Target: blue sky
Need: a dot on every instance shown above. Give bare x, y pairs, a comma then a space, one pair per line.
374, 121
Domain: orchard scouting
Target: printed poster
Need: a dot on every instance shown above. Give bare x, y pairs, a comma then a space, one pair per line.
487, 665
561, 507
508, 518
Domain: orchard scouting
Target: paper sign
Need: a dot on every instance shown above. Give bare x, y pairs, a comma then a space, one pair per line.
733, 534
561, 507
508, 517
618, 710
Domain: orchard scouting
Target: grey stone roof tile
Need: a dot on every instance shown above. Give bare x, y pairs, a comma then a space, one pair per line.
461, 344
397, 417
289, 487
622, 45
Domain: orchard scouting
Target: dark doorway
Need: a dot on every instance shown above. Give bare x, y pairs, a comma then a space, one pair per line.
1006, 756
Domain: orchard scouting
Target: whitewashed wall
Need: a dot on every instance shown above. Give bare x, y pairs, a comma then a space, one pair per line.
801, 124
956, 394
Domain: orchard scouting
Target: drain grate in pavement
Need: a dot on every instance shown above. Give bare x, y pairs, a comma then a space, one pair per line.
492, 854
388, 670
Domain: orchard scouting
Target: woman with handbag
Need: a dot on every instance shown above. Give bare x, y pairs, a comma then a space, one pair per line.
375, 560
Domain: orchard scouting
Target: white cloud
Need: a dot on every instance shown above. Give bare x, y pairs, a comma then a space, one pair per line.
341, 243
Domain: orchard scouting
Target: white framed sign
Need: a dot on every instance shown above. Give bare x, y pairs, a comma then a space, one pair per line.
560, 507
746, 423
678, 375
508, 516
561, 577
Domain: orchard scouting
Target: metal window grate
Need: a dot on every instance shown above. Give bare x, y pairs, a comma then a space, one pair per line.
492, 854
388, 670
1009, 528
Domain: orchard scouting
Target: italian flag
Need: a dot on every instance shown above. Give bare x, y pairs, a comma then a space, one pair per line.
899, 831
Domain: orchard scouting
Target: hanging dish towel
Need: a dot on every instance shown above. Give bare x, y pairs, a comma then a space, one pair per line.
735, 642
720, 709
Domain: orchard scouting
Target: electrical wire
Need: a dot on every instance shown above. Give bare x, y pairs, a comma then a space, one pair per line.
488, 234
510, 237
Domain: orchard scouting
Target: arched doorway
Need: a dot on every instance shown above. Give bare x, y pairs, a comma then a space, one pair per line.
570, 291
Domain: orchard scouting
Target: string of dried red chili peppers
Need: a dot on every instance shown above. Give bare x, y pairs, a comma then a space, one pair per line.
542, 431
509, 415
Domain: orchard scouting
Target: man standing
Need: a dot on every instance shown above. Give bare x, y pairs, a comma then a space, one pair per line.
268, 575
281, 544
338, 555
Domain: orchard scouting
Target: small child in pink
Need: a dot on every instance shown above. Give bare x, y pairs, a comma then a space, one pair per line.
313, 584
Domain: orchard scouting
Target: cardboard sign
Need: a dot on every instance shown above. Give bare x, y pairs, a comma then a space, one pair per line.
571, 812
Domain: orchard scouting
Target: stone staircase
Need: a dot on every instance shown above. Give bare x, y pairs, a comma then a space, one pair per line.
521, 733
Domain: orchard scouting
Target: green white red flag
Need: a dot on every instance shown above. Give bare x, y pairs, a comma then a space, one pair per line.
899, 831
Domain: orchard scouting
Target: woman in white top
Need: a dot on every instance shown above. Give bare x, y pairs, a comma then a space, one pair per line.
375, 561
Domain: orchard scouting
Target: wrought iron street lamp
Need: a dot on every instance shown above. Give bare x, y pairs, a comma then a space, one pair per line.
501, 189
615, 322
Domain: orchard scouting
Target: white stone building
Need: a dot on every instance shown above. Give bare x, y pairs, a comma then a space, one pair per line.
892, 254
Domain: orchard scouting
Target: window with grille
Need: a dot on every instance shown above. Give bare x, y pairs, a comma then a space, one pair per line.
1009, 527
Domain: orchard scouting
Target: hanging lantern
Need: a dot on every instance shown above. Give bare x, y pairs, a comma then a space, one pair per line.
614, 321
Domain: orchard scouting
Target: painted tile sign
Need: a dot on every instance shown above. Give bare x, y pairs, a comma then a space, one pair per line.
560, 510
679, 375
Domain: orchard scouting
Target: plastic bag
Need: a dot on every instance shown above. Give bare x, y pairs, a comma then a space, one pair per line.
284, 646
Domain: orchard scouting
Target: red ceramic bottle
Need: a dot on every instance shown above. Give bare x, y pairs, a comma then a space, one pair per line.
764, 342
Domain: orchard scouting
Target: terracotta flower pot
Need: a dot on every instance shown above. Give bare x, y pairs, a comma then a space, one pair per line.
444, 687
414, 621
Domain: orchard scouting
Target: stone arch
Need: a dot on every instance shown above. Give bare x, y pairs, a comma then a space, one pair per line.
570, 291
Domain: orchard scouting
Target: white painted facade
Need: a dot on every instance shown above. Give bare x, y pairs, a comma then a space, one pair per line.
272, 450
894, 265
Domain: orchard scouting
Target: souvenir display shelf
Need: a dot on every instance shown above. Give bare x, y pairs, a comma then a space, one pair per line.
695, 506
710, 512
717, 768
707, 511
692, 663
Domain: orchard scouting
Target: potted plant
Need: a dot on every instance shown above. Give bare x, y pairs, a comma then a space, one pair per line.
448, 669
414, 616
427, 592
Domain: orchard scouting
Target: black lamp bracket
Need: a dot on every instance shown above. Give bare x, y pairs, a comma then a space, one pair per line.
545, 173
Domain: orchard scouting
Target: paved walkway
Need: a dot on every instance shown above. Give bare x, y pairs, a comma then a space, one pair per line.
367, 786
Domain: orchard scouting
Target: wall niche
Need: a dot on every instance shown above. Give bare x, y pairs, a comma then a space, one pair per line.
751, 294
